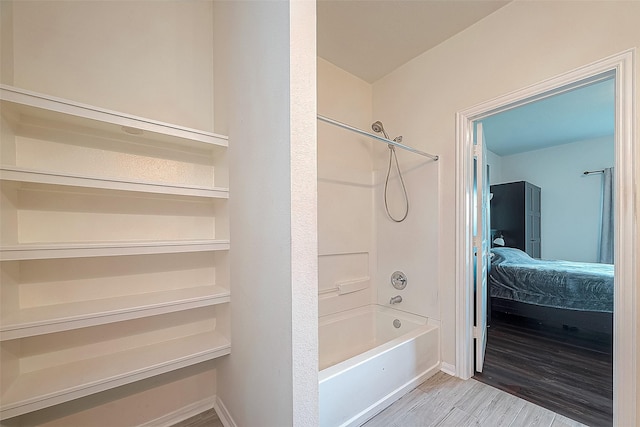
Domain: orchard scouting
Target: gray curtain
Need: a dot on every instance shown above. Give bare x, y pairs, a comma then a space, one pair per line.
605, 253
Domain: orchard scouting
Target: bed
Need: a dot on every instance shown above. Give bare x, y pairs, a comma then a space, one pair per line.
571, 294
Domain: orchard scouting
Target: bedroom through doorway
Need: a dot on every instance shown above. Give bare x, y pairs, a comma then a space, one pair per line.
550, 297
470, 333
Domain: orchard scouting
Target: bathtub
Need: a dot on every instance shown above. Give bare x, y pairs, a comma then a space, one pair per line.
366, 363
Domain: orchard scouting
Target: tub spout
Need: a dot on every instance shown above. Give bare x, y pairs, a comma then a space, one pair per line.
395, 300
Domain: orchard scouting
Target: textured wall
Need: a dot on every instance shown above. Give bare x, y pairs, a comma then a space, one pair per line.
150, 59
271, 376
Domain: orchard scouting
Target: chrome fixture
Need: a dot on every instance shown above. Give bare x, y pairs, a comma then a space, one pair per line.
395, 300
374, 136
379, 128
397, 323
399, 280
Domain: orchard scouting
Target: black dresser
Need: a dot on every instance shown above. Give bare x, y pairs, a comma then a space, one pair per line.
515, 213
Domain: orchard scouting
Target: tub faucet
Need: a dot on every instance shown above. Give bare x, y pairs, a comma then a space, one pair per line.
395, 300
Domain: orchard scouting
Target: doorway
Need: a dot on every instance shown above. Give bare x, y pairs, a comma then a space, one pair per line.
550, 290
625, 339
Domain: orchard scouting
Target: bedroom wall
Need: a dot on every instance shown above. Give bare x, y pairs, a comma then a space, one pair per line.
571, 201
519, 45
345, 191
495, 167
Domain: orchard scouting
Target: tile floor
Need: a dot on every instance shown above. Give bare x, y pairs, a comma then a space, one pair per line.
205, 419
446, 401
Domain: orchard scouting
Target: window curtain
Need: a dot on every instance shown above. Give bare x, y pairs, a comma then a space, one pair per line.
605, 252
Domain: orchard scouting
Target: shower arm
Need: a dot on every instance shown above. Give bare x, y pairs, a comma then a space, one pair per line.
374, 136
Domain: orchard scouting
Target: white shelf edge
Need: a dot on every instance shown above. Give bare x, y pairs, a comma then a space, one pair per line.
89, 112
83, 250
34, 403
17, 330
11, 173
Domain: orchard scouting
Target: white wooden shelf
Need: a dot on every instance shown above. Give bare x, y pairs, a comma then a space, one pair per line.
94, 249
26, 104
13, 173
47, 387
62, 317
113, 253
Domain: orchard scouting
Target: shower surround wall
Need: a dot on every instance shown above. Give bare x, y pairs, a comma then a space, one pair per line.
357, 239
345, 192
410, 246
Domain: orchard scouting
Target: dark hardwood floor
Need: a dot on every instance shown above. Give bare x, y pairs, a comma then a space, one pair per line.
567, 371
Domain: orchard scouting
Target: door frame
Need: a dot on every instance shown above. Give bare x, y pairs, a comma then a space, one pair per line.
622, 66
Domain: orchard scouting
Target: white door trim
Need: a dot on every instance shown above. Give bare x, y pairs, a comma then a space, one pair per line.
625, 374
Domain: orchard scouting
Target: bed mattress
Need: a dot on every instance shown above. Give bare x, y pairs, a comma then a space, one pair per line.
516, 276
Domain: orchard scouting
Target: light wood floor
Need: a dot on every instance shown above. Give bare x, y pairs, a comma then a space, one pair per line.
446, 401
205, 419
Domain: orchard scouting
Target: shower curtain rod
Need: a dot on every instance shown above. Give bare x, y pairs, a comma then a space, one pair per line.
374, 136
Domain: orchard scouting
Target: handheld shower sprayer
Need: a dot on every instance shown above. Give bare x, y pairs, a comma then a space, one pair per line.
379, 128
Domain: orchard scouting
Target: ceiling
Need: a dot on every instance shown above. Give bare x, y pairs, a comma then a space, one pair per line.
578, 115
369, 39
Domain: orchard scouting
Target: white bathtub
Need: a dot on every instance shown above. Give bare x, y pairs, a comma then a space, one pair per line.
366, 363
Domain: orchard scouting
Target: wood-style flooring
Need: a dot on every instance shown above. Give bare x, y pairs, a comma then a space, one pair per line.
446, 401
204, 419
566, 371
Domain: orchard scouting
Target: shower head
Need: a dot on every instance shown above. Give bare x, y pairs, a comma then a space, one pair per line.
378, 128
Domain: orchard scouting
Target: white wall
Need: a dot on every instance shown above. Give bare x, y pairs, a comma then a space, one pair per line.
345, 190
271, 376
504, 52
151, 59
6, 42
571, 201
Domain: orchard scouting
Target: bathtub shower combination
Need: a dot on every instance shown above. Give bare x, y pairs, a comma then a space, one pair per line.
372, 355
369, 357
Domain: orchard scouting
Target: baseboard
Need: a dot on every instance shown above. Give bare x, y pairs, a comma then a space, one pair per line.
448, 368
223, 413
396, 394
183, 413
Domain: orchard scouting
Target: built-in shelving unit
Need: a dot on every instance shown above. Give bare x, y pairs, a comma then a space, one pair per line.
78, 250
61, 317
12, 173
113, 249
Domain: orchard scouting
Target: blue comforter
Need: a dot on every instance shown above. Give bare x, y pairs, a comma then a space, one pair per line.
516, 276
